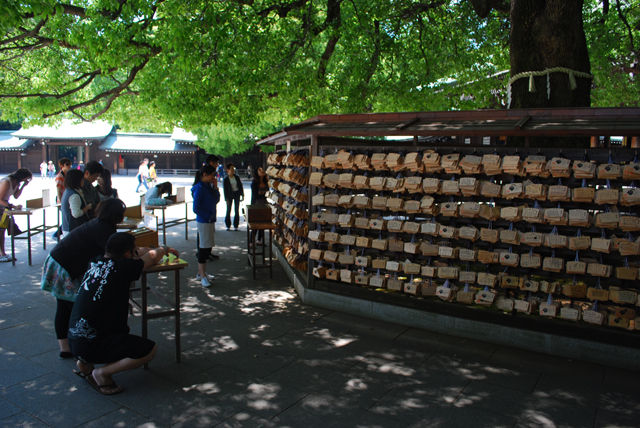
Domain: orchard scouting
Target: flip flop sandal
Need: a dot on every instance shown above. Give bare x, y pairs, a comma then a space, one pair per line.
110, 389
82, 375
5, 259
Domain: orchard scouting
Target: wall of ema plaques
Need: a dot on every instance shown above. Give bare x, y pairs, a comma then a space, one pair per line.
288, 179
540, 232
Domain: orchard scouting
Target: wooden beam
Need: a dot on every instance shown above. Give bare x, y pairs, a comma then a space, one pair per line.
522, 122
407, 124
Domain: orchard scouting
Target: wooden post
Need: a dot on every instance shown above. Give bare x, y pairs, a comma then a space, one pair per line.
44, 151
86, 152
635, 142
595, 141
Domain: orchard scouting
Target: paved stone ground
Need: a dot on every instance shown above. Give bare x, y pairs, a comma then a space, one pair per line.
255, 356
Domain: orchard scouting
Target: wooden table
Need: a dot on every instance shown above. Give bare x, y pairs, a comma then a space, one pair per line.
167, 264
31, 231
165, 224
129, 223
253, 250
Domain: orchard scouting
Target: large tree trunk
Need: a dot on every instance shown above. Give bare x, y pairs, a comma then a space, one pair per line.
547, 34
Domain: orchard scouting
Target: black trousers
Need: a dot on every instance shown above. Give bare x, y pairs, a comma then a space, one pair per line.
236, 213
63, 316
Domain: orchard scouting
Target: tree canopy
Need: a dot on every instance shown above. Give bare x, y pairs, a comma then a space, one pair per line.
235, 70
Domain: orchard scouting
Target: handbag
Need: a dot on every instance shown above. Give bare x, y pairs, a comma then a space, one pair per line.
5, 223
4, 220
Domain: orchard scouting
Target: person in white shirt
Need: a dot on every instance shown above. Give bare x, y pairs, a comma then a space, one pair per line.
43, 169
143, 174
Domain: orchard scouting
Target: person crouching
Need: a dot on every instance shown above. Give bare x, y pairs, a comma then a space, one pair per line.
98, 330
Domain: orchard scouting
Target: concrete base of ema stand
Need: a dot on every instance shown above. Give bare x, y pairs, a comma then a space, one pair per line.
561, 346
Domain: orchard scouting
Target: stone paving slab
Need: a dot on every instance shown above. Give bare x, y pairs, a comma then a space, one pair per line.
52, 399
255, 356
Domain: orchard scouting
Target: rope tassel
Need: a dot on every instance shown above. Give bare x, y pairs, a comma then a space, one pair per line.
532, 84
532, 87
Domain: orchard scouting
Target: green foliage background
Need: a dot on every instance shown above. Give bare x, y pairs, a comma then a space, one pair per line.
235, 71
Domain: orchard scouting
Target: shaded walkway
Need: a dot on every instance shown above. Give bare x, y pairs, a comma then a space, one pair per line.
255, 356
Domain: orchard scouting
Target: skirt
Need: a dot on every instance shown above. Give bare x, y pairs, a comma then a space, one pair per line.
207, 233
57, 281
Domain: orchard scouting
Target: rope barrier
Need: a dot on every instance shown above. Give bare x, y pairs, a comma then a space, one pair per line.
531, 74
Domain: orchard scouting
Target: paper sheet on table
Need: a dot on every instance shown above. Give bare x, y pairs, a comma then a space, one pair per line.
172, 260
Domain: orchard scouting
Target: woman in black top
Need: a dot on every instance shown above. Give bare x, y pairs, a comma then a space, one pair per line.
74, 206
259, 190
233, 194
66, 264
105, 186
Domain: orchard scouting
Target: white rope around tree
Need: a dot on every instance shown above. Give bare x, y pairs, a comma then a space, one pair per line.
532, 86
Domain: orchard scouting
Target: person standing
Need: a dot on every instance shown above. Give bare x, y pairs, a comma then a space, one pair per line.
259, 190
105, 186
43, 169
65, 266
233, 194
65, 166
52, 170
11, 186
249, 171
220, 172
214, 161
205, 199
92, 171
153, 177
74, 206
143, 174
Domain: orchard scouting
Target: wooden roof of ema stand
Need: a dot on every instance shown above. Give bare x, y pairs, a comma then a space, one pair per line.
563, 122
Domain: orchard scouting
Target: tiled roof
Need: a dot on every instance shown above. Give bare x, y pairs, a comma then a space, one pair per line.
180, 134
67, 130
10, 143
144, 143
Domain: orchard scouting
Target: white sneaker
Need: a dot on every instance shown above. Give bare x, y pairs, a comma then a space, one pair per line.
206, 280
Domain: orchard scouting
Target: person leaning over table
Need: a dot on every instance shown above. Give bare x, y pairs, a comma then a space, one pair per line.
92, 171
233, 194
156, 192
205, 199
74, 206
68, 261
98, 331
11, 186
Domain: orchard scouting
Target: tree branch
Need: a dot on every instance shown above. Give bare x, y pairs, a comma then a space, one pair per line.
483, 7
375, 60
418, 8
626, 24
110, 95
335, 21
281, 10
